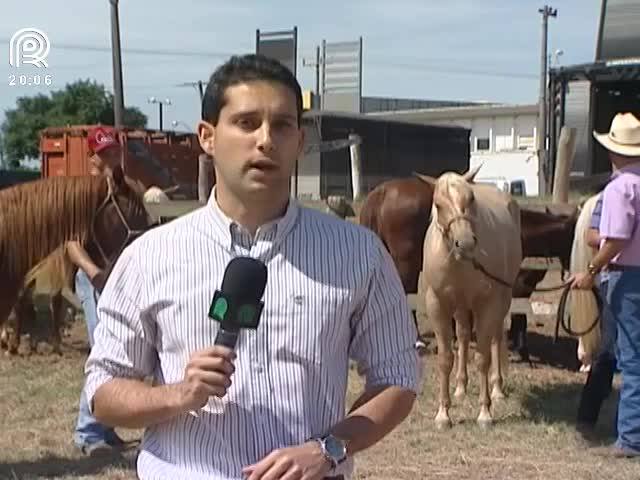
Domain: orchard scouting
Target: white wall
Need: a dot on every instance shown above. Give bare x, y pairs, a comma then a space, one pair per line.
510, 153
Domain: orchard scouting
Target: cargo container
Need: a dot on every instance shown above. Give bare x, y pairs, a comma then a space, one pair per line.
167, 159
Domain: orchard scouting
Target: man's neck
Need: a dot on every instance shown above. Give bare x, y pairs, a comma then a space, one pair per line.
622, 163
254, 212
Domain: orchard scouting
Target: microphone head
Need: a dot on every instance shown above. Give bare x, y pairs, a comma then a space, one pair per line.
245, 279
238, 302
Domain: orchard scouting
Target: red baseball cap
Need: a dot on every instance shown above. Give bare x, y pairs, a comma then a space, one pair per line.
100, 138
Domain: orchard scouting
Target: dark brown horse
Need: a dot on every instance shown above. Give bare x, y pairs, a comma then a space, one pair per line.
103, 213
399, 211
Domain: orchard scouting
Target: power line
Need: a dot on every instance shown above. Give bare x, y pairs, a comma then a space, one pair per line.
419, 64
140, 51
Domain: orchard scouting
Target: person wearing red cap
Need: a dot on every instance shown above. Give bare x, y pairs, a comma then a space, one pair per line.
90, 436
103, 142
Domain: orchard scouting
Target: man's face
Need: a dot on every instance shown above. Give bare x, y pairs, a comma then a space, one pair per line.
257, 141
106, 160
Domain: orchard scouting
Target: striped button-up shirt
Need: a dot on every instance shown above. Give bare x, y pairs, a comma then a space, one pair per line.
332, 294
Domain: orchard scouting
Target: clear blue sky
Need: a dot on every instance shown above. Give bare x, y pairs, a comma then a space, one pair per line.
427, 49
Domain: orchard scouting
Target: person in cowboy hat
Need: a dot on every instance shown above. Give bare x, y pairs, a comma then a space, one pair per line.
619, 254
90, 436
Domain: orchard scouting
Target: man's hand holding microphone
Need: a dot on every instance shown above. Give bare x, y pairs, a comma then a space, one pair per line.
235, 306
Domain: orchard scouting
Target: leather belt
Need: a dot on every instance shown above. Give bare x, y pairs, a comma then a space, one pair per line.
614, 267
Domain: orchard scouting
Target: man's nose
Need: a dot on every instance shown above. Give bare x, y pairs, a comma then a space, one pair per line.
265, 138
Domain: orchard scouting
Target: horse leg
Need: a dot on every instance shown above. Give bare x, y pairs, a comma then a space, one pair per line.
498, 355
441, 319
485, 333
519, 323
463, 332
57, 315
14, 340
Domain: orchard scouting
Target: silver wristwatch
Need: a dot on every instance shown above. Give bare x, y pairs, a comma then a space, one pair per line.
334, 449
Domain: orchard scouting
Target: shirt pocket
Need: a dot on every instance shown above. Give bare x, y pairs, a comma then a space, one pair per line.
314, 325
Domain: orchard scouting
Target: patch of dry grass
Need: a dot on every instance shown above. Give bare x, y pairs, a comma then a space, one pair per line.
532, 437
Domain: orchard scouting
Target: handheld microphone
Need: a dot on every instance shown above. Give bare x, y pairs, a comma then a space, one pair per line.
237, 304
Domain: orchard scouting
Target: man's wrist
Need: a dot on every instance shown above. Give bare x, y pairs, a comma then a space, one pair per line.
333, 449
324, 458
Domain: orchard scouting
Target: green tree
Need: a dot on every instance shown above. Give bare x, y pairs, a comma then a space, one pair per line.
80, 103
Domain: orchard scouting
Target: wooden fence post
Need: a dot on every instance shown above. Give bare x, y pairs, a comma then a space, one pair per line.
564, 160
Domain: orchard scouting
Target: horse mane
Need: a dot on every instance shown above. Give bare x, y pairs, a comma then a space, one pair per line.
39, 216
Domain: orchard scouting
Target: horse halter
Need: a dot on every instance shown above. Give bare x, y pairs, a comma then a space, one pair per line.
456, 218
131, 234
476, 264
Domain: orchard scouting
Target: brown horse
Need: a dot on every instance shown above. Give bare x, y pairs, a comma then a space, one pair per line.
398, 211
103, 213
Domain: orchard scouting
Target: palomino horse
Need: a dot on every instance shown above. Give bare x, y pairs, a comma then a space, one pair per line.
474, 251
583, 307
398, 211
104, 213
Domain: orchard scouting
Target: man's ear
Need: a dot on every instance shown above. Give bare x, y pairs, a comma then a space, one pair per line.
206, 137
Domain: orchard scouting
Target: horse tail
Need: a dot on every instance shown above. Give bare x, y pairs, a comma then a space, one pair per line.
583, 307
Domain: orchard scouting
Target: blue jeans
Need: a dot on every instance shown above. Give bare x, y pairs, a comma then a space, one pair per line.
624, 298
88, 429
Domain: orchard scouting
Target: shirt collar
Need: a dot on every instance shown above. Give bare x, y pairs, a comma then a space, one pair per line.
225, 228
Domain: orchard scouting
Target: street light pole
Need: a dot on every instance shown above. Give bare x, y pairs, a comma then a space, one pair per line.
160, 105
118, 99
543, 163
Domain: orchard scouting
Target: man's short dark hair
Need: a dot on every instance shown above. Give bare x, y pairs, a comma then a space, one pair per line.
242, 69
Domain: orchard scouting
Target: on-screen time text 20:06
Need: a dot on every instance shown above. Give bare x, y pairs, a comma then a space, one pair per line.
28, 80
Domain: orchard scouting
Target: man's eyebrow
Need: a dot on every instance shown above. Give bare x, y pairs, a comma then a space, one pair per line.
251, 113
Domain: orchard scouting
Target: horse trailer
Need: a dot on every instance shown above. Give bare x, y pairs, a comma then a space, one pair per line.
168, 160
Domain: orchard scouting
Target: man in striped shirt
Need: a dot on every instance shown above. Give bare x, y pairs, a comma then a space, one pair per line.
274, 408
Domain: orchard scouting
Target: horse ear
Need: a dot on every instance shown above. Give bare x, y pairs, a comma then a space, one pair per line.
426, 178
471, 174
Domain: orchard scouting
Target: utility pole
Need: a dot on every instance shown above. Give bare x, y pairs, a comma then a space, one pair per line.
543, 164
118, 99
316, 64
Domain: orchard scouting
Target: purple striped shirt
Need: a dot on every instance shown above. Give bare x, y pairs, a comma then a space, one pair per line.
332, 294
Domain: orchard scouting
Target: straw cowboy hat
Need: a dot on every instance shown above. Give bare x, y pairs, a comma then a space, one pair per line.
623, 137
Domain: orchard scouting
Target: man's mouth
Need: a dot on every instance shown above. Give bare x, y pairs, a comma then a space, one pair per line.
265, 165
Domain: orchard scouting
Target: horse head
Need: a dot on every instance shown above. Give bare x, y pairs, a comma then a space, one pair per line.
120, 218
454, 210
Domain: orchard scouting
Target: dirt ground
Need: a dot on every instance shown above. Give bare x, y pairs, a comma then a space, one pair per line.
531, 439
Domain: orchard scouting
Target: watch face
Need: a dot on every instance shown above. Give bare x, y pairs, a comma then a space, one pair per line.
335, 447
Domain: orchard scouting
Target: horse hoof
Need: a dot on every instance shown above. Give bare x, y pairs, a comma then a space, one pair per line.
485, 423
443, 424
